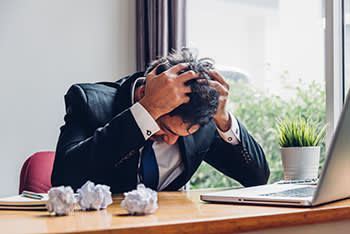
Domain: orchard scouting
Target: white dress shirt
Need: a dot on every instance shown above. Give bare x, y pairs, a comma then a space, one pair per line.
168, 157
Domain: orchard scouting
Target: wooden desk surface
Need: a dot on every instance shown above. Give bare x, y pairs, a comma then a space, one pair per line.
178, 212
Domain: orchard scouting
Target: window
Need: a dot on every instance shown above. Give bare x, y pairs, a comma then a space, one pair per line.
347, 44
273, 54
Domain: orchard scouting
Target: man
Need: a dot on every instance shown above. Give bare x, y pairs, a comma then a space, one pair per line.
155, 130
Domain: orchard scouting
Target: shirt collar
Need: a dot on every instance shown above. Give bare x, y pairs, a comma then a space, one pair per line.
133, 87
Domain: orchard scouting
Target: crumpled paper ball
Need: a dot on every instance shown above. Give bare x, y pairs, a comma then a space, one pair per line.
61, 200
91, 197
140, 201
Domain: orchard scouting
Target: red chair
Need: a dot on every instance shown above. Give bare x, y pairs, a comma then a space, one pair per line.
36, 173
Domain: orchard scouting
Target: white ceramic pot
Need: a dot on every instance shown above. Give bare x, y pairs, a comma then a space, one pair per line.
300, 163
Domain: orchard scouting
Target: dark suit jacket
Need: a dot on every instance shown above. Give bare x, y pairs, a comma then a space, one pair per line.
100, 141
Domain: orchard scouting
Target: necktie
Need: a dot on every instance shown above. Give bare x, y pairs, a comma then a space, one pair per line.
150, 171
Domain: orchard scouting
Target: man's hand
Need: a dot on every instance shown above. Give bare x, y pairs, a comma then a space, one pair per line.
166, 91
222, 117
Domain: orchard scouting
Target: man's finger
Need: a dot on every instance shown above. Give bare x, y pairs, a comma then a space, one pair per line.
187, 89
219, 87
186, 76
177, 68
217, 76
153, 72
223, 91
215, 84
185, 98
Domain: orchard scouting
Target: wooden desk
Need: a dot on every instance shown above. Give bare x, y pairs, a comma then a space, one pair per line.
179, 212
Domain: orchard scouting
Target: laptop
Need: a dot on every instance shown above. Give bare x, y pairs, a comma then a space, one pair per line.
333, 184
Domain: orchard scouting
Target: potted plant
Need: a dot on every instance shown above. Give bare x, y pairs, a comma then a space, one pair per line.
300, 140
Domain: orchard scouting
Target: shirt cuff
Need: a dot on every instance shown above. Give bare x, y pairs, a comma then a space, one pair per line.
232, 135
144, 120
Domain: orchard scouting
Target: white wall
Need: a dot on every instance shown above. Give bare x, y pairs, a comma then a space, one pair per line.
45, 46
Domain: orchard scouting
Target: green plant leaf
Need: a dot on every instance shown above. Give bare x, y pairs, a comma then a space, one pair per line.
299, 132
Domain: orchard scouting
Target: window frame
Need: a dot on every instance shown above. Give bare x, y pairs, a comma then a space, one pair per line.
334, 43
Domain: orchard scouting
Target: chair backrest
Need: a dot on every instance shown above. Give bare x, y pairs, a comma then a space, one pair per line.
36, 172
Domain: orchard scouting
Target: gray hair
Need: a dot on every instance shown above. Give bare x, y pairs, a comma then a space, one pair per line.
186, 55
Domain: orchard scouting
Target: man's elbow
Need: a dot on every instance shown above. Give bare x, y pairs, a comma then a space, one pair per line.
266, 175
58, 177
258, 177
56, 180
263, 175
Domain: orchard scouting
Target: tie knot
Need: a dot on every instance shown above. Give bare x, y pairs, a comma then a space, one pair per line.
148, 143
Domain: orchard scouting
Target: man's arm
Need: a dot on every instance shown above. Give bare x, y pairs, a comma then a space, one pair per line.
83, 154
244, 162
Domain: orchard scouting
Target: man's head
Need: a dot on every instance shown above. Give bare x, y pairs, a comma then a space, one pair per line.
188, 117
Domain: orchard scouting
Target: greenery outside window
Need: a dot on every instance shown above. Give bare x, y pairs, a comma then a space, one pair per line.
274, 60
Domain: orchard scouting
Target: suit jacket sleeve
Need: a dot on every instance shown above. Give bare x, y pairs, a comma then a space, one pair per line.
244, 162
86, 153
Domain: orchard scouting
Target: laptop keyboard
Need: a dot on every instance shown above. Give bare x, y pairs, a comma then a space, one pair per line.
298, 192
